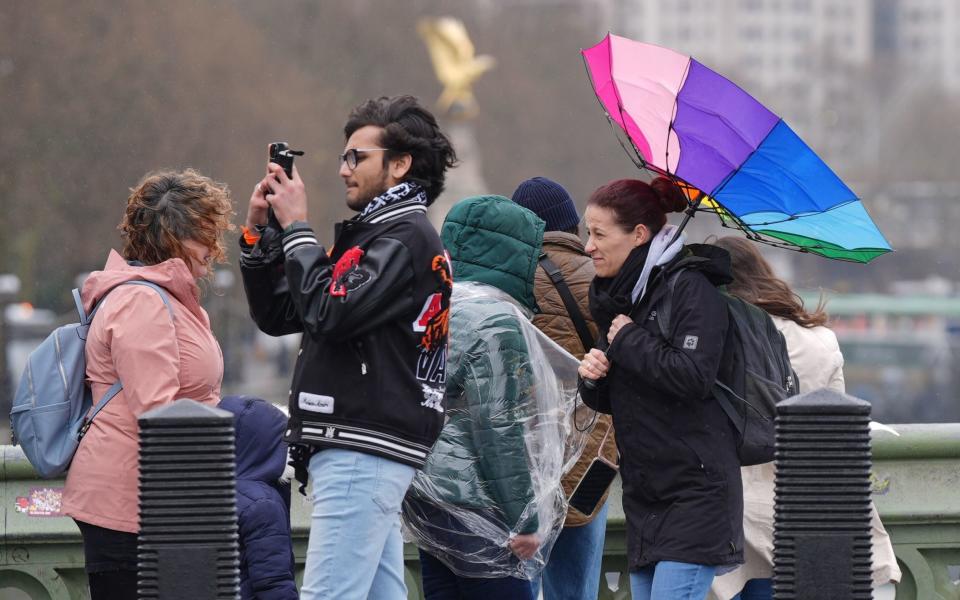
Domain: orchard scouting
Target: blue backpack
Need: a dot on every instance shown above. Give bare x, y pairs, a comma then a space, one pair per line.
52, 407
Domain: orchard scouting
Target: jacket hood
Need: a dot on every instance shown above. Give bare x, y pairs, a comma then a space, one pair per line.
494, 241
565, 241
712, 261
259, 427
172, 275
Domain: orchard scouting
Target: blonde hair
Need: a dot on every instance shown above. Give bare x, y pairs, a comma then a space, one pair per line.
169, 207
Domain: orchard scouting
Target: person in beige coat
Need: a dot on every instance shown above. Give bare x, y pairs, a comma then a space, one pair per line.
816, 358
573, 570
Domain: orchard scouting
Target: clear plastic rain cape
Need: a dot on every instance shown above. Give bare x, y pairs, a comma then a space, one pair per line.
508, 438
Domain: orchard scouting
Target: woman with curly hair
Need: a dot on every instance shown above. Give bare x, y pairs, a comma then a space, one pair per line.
159, 349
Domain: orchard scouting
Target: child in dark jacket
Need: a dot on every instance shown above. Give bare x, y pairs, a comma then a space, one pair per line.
263, 501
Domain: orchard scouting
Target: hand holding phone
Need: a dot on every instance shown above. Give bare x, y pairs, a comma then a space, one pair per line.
281, 154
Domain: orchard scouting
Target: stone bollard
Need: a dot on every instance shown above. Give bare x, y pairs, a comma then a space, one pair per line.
187, 546
822, 507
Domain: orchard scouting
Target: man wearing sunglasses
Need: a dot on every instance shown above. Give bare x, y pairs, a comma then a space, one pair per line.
366, 399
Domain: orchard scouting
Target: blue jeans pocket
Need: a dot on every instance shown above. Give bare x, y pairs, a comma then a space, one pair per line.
391, 486
387, 504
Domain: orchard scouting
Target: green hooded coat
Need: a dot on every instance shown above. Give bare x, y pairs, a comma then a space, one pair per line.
479, 461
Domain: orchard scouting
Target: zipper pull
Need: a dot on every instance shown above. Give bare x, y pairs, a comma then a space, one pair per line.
362, 357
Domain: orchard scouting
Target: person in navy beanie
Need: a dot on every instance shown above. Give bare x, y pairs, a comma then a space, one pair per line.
550, 201
573, 570
263, 500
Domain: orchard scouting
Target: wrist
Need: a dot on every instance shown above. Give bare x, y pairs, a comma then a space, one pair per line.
293, 220
297, 225
250, 234
252, 223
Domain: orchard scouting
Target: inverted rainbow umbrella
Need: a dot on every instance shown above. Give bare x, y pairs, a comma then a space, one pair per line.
731, 154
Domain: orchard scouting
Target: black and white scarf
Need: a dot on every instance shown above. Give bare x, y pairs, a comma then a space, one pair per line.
399, 200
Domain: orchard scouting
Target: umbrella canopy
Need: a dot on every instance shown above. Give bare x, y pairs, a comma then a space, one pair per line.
687, 122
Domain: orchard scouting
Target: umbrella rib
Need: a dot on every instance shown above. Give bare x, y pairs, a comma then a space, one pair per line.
796, 216
673, 117
729, 126
593, 85
716, 191
786, 172
763, 238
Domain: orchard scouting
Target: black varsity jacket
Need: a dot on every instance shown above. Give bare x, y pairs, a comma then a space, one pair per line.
374, 316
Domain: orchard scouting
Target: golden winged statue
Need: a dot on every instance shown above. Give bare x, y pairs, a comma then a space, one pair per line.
454, 62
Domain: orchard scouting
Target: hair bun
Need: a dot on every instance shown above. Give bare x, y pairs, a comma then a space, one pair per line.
669, 195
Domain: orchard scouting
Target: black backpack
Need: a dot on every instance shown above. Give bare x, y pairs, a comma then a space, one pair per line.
758, 376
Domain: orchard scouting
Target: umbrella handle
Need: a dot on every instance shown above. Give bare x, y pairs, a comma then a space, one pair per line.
688, 214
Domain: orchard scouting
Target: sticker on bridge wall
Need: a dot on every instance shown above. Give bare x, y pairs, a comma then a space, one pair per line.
42, 502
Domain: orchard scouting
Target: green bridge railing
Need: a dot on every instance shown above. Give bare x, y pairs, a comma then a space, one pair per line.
916, 484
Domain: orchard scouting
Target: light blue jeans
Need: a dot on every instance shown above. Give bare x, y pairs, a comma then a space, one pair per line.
668, 580
355, 549
573, 570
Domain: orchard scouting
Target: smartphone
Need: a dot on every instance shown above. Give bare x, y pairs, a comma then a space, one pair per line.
281, 154
588, 493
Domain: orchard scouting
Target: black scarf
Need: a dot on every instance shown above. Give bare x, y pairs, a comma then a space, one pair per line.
610, 296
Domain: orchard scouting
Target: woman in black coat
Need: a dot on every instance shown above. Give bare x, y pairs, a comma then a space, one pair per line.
681, 478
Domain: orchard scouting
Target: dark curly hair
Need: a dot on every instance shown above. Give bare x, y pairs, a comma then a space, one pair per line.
169, 207
408, 128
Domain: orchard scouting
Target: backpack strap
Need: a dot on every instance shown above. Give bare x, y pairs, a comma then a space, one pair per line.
149, 284
664, 308
88, 420
665, 305
79, 304
86, 320
727, 407
569, 302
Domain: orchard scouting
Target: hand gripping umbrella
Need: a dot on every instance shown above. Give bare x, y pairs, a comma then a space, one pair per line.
729, 153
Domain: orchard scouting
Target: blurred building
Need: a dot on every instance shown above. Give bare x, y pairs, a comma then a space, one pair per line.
926, 38
782, 51
777, 42
917, 215
819, 64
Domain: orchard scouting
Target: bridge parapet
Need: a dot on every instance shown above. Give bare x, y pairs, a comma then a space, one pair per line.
916, 486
